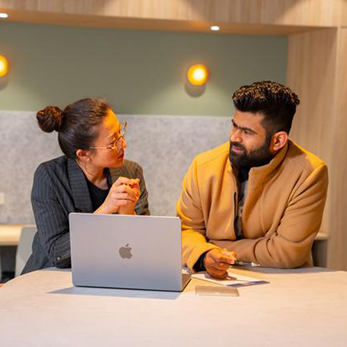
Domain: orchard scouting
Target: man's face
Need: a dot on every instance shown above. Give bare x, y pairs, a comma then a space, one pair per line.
249, 143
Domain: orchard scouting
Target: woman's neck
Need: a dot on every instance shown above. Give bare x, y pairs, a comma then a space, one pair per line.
94, 174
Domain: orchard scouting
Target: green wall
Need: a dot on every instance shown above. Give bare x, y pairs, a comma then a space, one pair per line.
138, 72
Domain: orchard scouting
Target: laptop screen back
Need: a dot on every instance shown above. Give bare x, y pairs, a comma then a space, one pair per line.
122, 251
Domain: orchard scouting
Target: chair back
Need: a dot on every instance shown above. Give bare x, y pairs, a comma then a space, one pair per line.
24, 248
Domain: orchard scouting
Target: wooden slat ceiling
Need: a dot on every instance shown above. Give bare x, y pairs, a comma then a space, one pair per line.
250, 17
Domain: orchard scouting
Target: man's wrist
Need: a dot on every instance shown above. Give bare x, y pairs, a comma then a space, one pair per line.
199, 265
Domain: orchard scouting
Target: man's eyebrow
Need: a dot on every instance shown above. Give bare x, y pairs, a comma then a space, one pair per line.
243, 128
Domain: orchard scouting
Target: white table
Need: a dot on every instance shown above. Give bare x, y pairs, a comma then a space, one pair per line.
303, 307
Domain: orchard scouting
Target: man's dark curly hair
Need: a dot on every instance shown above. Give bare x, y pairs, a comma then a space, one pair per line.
277, 103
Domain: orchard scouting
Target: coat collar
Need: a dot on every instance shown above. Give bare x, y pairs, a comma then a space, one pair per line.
80, 191
258, 175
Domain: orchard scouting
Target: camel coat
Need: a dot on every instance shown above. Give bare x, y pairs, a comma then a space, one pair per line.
282, 211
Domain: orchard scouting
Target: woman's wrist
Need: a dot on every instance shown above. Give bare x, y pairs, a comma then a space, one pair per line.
103, 210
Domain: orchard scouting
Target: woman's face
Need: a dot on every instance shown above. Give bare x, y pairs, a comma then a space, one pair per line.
109, 145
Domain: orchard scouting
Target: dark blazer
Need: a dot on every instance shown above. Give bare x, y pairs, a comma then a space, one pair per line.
60, 188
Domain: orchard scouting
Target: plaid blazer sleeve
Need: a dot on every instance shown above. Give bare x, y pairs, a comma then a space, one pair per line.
142, 205
51, 217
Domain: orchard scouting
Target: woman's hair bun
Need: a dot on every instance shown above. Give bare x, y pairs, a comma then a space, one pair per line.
50, 118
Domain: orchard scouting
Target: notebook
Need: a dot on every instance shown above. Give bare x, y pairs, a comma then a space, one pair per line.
126, 251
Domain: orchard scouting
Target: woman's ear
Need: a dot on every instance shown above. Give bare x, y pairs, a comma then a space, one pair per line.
83, 155
278, 141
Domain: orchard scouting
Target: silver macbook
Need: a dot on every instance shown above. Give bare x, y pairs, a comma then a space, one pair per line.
122, 251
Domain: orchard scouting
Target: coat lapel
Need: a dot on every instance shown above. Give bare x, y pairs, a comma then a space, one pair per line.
79, 187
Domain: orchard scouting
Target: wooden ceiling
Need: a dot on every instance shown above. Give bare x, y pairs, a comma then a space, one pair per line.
249, 17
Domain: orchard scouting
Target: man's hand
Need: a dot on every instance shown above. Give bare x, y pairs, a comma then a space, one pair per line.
217, 262
122, 197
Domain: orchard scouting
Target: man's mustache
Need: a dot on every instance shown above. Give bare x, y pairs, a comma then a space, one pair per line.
237, 145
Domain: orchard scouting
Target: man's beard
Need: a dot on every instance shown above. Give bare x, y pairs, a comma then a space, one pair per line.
257, 157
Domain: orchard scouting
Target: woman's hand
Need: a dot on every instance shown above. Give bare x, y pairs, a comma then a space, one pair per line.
122, 197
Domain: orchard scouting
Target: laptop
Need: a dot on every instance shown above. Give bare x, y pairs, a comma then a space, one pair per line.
126, 251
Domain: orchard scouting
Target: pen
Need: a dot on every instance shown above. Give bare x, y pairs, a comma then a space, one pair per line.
245, 263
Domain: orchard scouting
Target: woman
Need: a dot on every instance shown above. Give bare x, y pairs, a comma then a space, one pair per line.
92, 176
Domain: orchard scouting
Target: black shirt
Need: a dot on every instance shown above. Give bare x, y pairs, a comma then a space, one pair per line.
97, 195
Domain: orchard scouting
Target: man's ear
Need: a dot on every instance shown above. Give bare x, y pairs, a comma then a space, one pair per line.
278, 141
83, 155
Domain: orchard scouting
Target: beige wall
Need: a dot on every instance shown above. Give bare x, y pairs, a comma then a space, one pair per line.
317, 72
310, 73
337, 253
344, 13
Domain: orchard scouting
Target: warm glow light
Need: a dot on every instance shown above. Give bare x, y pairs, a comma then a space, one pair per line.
215, 27
3, 15
3, 66
197, 75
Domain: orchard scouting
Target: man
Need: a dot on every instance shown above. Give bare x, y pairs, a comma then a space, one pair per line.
259, 198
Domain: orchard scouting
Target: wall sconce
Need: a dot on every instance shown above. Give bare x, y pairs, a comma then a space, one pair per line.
197, 75
3, 66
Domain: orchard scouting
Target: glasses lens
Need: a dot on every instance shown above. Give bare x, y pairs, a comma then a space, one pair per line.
123, 128
120, 139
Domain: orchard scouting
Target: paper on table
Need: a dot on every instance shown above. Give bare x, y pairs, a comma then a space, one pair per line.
233, 280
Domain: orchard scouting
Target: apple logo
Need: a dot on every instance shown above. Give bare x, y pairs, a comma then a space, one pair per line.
125, 252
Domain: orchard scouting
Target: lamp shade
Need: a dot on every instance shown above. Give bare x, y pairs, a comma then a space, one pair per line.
198, 74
